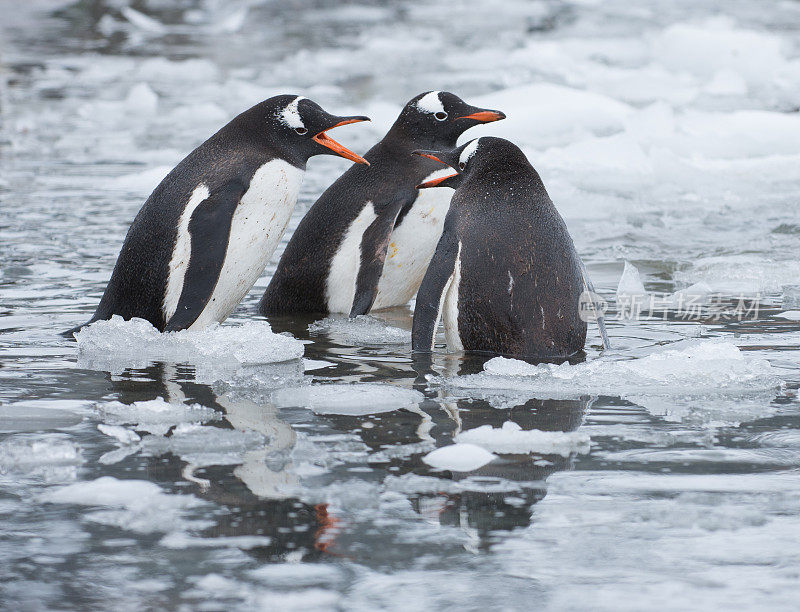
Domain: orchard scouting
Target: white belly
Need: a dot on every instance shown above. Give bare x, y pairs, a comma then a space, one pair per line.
450, 308
412, 245
340, 286
257, 226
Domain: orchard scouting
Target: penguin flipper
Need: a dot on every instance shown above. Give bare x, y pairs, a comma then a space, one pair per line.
209, 229
374, 244
437, 279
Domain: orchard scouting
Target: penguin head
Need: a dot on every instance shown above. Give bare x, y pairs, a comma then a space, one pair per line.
439, 118
295, 128
486, 153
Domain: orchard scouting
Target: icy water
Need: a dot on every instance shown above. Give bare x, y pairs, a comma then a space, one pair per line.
220, 471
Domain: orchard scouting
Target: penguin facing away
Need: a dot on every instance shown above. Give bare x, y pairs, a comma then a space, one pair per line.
505, 277
206, 233
367, 240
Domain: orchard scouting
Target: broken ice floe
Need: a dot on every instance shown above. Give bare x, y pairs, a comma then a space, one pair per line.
348, 399
693, 368
137, 505
154, 416
42, 457
462, 457
511, 438
217, 350
360, 330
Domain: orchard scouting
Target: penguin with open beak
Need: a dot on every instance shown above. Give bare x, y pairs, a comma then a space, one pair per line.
207, 232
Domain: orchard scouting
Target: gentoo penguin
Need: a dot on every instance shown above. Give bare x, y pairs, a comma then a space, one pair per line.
366, 242
505, 276
206, 233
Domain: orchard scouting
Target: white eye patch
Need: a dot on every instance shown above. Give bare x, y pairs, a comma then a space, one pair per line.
468, 151
291, 115
430, 103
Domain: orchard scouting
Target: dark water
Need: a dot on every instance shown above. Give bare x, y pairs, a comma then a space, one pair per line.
670, 479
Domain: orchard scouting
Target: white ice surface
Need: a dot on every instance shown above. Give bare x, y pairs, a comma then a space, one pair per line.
360, 330
461, 457
202, 445
694, 367
116, 344
347, 399
511, 438
137, 505
47, 458
154, 416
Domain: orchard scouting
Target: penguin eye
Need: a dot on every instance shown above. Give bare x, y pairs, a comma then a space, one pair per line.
301, 131
462, 166
441, 116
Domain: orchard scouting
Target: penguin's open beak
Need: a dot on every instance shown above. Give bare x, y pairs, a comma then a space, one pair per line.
323, 139
485, 116
436, 182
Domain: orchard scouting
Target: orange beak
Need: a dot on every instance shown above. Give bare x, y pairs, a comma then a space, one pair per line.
485, 116
429, 156
323, 139
435, 182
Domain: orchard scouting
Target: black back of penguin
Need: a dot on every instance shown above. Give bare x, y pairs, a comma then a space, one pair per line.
284, 128
515, 275
303, 275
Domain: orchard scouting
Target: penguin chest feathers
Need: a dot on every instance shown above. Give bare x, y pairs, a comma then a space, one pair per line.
257, 225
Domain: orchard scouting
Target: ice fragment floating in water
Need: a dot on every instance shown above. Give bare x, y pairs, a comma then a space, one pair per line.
458, 457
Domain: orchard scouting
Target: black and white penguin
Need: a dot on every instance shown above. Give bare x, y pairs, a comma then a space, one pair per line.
207, 232
366, 242
505, 277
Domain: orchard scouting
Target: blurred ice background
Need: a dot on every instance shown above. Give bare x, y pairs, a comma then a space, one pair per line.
668, 134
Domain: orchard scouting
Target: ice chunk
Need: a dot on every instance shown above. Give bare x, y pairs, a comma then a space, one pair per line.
122, 434
138, 505
201, 445
511, 438
38, 415
360, 330
461, 457
630, 283
350, 399
555, 113
742, 274
183, 540
142, 21
141, 99
50, 457
704, 49
117, 344
155, 416
694, 367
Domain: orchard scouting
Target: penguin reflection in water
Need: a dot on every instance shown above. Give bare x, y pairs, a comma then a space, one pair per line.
505, 277
207, 232
366, 242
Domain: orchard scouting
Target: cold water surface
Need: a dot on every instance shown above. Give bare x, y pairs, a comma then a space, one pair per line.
215, 470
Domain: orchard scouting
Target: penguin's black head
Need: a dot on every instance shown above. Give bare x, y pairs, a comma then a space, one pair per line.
295, 127
438, 118
475, 156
